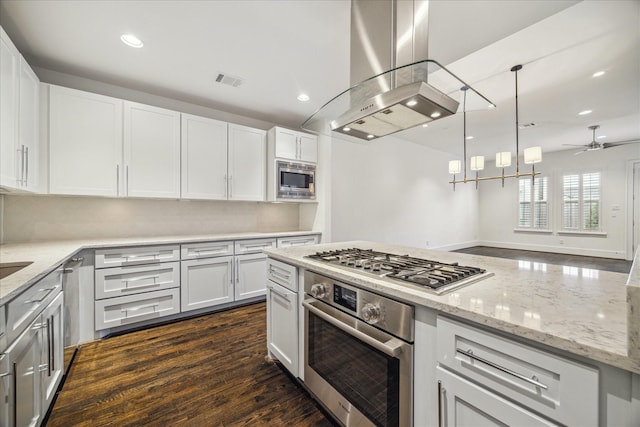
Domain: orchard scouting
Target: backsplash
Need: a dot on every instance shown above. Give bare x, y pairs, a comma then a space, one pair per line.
44, 218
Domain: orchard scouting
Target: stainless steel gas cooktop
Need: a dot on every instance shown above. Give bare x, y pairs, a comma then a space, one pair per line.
433, 276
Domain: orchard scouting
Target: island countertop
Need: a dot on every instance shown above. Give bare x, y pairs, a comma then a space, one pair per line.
578, 310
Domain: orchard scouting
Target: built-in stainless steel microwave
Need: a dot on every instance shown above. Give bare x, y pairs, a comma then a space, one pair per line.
295, 180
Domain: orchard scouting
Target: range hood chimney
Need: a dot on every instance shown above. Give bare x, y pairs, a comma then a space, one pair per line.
389, 73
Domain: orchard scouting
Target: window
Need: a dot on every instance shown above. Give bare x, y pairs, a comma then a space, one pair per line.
533, 208
581, 202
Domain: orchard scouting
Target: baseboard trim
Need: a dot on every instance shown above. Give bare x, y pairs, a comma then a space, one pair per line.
456, 246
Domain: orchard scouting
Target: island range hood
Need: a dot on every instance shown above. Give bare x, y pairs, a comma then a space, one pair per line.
394, 84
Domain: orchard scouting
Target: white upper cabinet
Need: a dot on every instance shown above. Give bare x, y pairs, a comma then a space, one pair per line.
204, 158
85, 143
151, 151
29, 130
292, 145
10, 157
247, 151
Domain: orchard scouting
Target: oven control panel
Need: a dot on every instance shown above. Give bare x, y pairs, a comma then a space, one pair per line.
385, 313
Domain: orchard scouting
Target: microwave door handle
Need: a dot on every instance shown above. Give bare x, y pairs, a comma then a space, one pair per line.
391, 348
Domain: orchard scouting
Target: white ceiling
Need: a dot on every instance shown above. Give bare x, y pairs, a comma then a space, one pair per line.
282, 48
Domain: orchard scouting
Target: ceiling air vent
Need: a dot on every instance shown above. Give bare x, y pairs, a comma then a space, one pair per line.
229, 80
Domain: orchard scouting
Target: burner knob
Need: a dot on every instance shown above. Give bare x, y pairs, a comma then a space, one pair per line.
318, 290
371, 313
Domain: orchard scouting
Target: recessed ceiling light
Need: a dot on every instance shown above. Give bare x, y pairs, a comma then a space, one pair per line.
601, 136
346, 128
585, 112
369, 136
469, 137
435, 115
599, 73
426, 125
412, 103
131, 40
303, 97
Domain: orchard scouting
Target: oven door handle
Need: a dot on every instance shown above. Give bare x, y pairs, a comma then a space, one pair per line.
391, 348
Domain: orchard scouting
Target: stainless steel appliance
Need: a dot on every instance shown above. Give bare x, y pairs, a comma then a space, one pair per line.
358, 353
432, 276
295, 180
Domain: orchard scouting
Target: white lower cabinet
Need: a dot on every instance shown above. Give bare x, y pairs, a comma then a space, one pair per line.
121, 311
287, 242
282, 325
250, 276
462, 403
52, 353
283, 336
206, 282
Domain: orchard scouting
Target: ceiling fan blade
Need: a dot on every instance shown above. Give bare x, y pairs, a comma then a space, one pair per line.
580, 152
575, 145
618, 143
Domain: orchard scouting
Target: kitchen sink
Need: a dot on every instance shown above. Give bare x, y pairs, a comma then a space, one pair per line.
8, 268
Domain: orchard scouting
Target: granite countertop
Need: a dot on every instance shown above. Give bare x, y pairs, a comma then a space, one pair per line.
46, 256
578, 310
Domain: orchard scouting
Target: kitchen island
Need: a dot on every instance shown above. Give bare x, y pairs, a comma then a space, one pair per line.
581, 315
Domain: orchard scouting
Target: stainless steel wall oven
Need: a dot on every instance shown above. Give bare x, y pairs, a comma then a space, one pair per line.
358, 353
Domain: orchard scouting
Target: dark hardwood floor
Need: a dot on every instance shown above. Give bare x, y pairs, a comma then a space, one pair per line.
596, 263
211, 370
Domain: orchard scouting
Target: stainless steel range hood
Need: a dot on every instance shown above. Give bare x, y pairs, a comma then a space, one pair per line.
389, 41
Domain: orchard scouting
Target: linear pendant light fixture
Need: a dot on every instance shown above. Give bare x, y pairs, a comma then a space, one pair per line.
532, 155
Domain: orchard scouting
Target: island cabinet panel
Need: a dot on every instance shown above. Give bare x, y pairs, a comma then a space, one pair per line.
560, 389
462, 403
282, 330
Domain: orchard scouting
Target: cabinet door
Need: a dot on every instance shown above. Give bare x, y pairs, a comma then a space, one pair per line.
464, 403
282, 326
308, 148
24, 357
151, 151
286, 144
29, 127
206, 282
204, 158
246, 163
85, 143
9, 108
251, 275
52, 352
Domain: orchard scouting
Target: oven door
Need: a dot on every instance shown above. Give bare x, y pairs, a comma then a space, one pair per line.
361, 374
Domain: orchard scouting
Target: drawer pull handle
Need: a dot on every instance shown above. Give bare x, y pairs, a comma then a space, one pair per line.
278, 272
135, 279
260, 246
141, 307
280, 294
33, 301
534, 381
213, 251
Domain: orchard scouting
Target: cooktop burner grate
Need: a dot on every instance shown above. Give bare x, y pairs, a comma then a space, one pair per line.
433, 275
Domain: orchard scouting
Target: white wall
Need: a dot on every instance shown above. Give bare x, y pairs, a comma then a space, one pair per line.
499, 213
396, 191
45, 218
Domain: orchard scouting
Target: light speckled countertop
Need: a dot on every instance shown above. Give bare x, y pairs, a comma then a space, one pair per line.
578, 310
46, 256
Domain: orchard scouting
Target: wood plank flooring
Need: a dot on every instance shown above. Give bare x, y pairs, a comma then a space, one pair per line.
212, 370
595, 263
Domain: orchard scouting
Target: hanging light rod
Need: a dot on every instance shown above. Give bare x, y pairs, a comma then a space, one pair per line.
532, 155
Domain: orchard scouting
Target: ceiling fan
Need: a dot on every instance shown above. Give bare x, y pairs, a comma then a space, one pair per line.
595, 145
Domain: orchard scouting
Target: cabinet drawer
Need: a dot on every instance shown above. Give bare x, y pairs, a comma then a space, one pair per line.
206, 250
117, 281
28, 305
138, 255
287, 242
254, 245
562, 389
283, 274
129, 309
